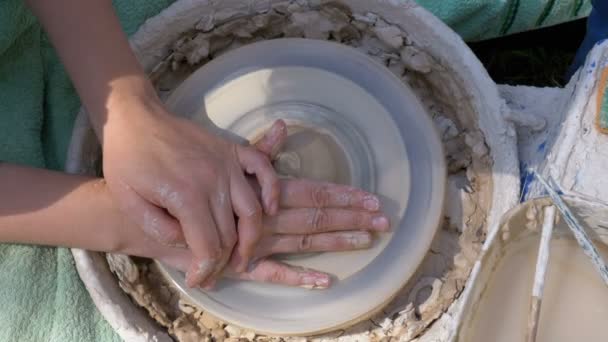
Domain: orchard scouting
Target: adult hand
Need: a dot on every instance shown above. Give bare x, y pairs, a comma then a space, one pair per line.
313, 217
181, 183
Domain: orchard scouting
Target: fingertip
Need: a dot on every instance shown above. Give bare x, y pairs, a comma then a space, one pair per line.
315, 280
199, 272
381, 223
280, 124
277, 132
371, 202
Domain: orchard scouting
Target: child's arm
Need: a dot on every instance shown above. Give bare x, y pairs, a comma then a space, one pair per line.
41, 207
154, 163
54, 209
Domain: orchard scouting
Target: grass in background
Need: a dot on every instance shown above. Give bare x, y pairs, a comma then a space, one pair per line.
538, 58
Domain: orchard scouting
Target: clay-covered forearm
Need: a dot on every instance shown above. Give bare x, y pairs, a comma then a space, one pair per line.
54, 209
89, 39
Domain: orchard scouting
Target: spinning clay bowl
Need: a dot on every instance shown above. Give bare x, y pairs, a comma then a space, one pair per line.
363, 118
352, 121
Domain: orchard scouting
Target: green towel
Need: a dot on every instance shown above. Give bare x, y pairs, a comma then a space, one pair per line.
484, 19
41, 295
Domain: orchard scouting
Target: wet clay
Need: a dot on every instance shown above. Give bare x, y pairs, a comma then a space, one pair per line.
574, 305
441, 277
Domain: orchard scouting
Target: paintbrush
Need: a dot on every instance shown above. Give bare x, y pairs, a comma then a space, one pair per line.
576, 228
542, 263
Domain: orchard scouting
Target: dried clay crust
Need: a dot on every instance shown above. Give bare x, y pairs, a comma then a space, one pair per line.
440, 279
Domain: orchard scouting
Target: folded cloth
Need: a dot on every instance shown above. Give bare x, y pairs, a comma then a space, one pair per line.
41, 295
483, 19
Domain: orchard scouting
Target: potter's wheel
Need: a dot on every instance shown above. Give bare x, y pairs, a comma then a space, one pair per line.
361, 126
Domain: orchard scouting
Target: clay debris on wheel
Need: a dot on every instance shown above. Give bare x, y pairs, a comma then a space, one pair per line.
380, 139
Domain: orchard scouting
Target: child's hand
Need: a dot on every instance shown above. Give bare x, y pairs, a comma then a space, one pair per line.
180, 182
300, 226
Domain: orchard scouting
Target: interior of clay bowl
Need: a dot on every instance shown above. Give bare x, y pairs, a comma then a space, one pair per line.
423, 54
